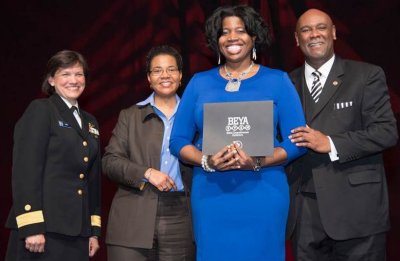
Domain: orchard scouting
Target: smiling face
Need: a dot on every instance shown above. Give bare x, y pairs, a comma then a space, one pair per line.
69, 82
315, 34
164, 76
235, 44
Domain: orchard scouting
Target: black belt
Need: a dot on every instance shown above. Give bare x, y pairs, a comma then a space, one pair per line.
171, 194
168, 193
309, 194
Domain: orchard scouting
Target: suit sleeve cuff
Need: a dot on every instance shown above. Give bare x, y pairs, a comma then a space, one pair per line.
333, 155
95, 221
30, 218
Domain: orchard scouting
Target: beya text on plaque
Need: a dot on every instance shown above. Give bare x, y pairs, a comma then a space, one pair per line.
237, 126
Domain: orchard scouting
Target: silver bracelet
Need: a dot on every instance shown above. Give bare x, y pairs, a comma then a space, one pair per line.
204, 164
257, 166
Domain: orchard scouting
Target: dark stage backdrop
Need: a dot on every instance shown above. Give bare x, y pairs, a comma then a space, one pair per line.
115, 35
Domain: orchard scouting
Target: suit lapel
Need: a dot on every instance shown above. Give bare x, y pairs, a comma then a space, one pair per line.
67, 115
299, 82
85, 125
331, 86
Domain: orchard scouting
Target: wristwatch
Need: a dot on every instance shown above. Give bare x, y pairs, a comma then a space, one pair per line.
257, 166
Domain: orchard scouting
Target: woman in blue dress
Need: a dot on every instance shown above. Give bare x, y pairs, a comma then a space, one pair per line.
239, 203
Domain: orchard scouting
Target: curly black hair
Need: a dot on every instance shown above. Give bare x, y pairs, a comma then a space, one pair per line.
163, 49
253, 22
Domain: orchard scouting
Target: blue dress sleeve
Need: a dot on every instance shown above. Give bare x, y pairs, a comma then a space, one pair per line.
290, 116
184, 129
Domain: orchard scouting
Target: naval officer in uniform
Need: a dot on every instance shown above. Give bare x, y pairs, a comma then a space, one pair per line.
56, 171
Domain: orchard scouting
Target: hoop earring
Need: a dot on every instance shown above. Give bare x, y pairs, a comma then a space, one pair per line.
219, 59
254, 54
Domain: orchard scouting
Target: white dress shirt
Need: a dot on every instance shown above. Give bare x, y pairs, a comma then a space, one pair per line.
76, 114
324, 70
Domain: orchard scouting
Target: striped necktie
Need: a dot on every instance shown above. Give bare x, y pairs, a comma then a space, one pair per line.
316, 87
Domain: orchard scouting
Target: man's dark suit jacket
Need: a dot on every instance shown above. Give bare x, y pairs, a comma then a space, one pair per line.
134, 147
355, 111
56, 171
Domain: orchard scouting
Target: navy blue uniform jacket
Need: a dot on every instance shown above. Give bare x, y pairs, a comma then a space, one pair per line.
56, 171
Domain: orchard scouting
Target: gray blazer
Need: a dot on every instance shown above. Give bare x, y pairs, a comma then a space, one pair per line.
135, 146
355, 111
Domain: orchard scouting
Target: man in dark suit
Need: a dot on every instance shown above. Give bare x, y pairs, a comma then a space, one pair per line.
339, 199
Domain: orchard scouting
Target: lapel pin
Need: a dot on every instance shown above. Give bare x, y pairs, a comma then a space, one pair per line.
335, 83
93, 130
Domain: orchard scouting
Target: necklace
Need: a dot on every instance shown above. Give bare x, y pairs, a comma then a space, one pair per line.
233, 84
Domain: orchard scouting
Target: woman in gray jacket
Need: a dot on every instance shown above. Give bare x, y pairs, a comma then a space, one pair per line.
149, 217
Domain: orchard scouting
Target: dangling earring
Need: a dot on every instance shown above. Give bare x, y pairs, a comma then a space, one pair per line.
219, 59
254, 54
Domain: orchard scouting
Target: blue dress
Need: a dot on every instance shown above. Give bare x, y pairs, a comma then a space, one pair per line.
239, 215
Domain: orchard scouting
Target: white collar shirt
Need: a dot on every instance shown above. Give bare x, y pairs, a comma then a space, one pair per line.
324, 70
76, 113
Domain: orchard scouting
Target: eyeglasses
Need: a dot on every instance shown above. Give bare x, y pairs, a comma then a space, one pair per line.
170, 70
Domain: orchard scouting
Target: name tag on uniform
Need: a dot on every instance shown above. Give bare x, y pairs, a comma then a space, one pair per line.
64, 124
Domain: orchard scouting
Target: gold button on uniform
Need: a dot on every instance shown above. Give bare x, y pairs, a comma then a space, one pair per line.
84, 143
81, 176
80, 191
28, 207
85, 159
